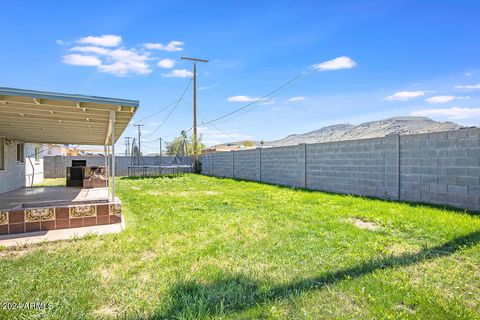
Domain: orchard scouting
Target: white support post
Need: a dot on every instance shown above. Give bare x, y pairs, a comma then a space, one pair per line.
112, 141
107, 169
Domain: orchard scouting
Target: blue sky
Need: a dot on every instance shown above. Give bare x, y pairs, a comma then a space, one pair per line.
368, 60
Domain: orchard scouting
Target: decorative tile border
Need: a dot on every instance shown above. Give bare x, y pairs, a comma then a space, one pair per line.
83, 211
39, 214
3, 217
116, 209
34, 219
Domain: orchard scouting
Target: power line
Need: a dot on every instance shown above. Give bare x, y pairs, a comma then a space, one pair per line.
266, 97
173, 109
212, 125
139, 135
269, 98
159, 111
155, 113
195, 142
127, 145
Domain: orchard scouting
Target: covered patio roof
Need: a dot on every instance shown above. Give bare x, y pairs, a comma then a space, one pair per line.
49, 117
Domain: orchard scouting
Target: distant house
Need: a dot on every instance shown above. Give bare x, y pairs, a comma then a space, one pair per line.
60, 150
228, 147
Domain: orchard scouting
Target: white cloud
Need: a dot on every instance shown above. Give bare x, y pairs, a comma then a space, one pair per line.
296, 99
166, 63
91, 49
107, 40
241, 99
451, 113
440, 99
178, 73
100, 52
468, 87
444, 99
122, 62
335, 64
405, 95
170, 47
208, 87
81, 60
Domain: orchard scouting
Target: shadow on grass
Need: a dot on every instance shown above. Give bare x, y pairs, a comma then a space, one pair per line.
238, 293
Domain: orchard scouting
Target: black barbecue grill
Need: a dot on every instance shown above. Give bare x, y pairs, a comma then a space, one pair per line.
75, 173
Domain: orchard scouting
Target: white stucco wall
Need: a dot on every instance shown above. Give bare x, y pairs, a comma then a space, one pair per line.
19, 174
33, 168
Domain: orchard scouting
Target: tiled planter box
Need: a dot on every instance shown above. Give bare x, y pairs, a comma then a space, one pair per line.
62, 217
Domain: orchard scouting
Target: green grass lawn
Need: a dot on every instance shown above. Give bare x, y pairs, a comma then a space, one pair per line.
203, 247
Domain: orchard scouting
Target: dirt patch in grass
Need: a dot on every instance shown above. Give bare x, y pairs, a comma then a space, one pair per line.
361, 224
13, 253
403, 307
399, 249
148, 256
108, 311
105, 274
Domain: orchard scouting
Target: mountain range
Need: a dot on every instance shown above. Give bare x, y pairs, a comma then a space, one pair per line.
372, 129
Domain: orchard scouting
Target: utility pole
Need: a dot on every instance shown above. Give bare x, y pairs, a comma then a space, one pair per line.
139, 134
127, 145
195, 142
160, 156
160, 151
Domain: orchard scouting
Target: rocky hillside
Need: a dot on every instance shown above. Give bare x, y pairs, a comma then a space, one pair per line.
379, 128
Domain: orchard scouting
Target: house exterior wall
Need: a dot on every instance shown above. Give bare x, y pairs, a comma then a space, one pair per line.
33, 169
19, 174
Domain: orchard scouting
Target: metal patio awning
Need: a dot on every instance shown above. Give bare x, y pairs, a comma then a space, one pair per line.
49, 117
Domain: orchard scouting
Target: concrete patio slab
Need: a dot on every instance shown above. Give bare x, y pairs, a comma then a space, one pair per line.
61, 234
44, 196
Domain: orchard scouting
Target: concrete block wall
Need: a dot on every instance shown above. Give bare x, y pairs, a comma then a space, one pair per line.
439, 168
55, 166
245, 164
207, 164
354, 167
222, 164
281, 165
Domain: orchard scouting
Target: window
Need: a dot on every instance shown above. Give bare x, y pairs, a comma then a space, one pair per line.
37, 154
20, 152
2, 154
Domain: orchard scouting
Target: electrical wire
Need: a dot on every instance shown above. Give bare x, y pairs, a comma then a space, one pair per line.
154, 114
205, 120
266, 97
171, 111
